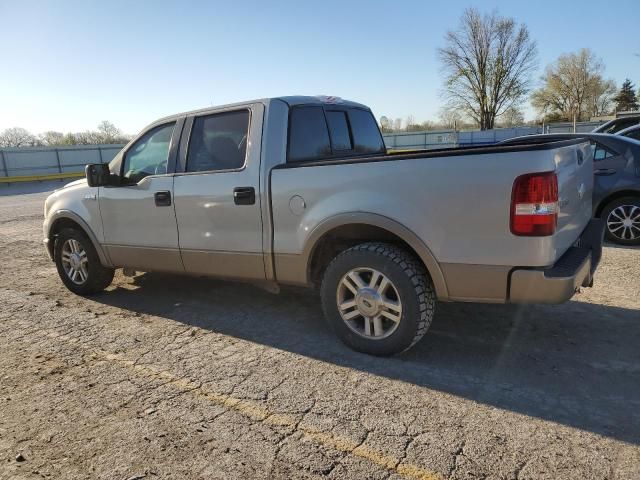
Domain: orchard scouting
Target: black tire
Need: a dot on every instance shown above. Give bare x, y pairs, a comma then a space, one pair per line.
627, 203
99, 277
408, 277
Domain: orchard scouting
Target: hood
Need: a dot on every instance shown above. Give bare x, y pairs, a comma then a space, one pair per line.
80, 181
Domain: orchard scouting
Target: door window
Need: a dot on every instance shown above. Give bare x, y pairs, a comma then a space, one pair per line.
599, 152
149, 155
218, 142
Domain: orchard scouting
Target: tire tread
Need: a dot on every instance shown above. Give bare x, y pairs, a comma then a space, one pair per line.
416, 273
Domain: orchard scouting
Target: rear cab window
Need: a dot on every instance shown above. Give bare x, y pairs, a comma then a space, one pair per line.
366, 134
339, 131
308, 134
331, 132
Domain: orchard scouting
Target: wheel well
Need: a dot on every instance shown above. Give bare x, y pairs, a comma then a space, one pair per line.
59, 225
615, 196
346, 236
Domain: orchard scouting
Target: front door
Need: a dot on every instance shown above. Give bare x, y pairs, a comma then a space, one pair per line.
217, 195
138, 214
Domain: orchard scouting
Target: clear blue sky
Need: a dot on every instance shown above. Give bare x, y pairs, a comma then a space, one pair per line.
67, 65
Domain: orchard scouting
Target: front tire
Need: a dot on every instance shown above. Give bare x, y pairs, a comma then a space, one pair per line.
622, 220
378, 298
78, 263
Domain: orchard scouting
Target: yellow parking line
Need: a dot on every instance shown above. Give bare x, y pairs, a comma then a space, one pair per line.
256, 411
33, 178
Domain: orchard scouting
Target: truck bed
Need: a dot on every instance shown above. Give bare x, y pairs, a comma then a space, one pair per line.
457, 201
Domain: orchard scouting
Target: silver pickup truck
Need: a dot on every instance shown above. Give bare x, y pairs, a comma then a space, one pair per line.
301, 191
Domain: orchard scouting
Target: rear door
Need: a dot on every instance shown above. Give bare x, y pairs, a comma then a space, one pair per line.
217, 194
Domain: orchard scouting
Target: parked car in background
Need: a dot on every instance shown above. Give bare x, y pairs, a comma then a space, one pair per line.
631, 132
301, 190
616, 195
617, 124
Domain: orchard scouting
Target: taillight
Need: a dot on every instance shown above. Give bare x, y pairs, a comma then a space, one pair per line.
534, 204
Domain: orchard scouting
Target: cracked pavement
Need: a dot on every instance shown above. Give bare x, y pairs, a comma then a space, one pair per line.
177, 377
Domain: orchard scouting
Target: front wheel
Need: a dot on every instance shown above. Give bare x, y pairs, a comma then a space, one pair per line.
622, 218
78, 263
377, 298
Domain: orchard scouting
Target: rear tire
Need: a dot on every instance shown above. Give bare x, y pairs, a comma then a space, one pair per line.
378, 298
622, 221
78, 263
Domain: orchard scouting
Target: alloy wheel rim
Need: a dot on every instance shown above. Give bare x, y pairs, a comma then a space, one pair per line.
369, 303
624, 222
75, 262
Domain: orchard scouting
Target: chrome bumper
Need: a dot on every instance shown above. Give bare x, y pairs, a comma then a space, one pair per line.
558, 283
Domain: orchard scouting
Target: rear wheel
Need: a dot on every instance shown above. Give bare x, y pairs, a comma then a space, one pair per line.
622, 219
377, 298
78, 263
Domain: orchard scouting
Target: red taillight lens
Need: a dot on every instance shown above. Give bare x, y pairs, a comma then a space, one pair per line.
534, 204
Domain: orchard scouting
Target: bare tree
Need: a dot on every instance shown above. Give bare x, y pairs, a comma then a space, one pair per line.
386, 125
52, 138
109, 133
512, 117
410, 123
17, 137
574, 86
488, 63
450, 116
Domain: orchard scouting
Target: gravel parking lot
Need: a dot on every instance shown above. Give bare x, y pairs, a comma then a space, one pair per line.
174, 377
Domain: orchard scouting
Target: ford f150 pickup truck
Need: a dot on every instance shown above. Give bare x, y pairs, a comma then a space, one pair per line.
301, 191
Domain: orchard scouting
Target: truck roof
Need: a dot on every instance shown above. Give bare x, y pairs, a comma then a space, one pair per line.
289, 100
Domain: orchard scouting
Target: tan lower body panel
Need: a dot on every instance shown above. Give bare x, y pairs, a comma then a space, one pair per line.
232, 265
290, 269
145, 258
465, 283
476, 283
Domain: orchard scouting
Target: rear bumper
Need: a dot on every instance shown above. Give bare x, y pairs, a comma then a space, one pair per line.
558, 283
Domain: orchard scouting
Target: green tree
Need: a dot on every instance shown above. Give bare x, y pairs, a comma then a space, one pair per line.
626, 99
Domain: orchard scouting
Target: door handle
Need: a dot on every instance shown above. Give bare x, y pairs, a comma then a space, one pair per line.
244, 196
163, 198
605, 171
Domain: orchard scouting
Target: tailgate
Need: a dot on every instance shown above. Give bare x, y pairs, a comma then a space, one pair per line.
574, 168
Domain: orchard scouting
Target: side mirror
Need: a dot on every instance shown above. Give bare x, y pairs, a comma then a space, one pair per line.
97, 174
